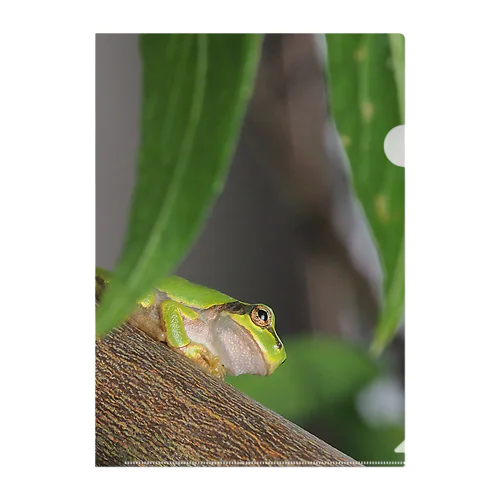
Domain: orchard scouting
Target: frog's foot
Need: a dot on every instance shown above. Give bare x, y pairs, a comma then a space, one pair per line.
204, 358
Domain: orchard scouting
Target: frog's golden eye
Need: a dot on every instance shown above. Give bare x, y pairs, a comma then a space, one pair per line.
261, 316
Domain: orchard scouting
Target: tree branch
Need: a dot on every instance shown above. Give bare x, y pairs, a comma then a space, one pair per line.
153, 405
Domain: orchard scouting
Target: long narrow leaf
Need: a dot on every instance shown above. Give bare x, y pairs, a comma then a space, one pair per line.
366, 82
195, 89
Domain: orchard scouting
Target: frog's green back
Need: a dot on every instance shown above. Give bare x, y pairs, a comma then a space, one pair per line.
191, 294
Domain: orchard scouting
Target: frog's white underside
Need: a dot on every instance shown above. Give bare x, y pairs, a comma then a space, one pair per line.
223, 337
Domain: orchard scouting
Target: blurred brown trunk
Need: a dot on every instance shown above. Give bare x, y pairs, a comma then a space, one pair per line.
291, 131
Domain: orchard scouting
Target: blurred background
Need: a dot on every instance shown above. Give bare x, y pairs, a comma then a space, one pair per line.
288, 231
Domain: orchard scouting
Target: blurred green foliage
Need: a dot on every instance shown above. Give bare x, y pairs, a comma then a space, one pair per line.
366, 83
317, 388
316, 372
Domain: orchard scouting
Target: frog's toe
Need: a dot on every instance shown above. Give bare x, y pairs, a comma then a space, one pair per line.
204, 358
218, 369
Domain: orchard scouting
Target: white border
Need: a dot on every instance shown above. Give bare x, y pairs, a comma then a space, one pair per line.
48, 245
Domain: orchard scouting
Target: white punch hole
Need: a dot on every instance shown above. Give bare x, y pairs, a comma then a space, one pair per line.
394, 145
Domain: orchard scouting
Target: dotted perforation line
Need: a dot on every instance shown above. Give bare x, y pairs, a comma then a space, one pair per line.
366, 462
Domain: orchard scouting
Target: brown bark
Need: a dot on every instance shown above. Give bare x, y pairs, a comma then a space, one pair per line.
153, 405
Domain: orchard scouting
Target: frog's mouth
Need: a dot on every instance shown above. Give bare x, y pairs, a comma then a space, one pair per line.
238, 352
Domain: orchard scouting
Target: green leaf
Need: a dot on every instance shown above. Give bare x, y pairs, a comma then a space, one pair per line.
366, 84
195, 91
397, 44
317, 373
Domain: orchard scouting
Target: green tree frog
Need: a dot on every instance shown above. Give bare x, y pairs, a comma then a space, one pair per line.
219, 333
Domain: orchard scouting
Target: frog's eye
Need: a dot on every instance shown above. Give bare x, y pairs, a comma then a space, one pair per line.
261, 316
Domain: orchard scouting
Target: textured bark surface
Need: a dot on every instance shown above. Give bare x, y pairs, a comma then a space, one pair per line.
153, 407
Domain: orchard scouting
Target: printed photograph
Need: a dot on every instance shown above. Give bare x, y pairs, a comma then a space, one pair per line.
250, 257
